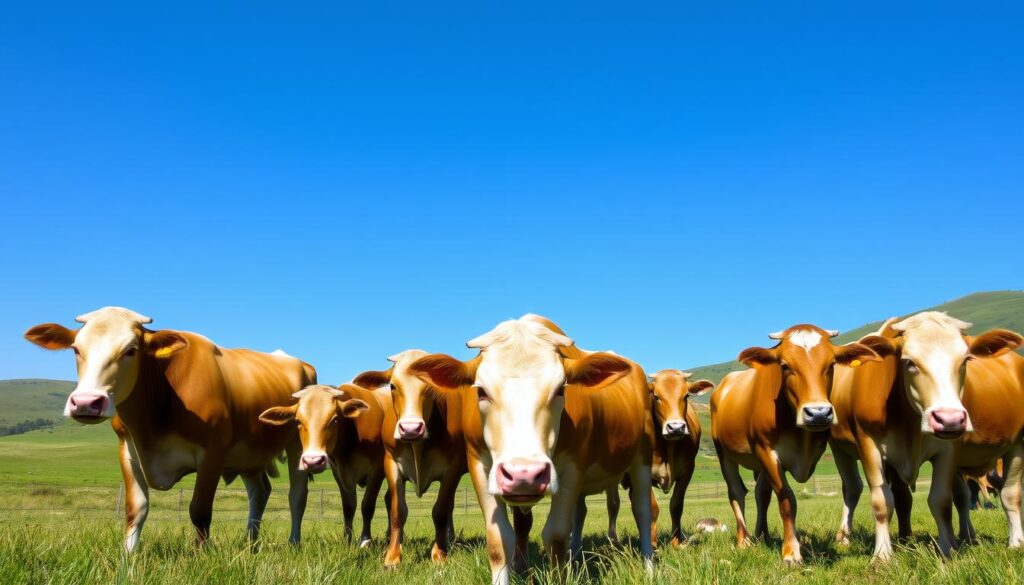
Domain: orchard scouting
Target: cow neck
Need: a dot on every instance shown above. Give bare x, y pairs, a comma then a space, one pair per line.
894, 393
153, 402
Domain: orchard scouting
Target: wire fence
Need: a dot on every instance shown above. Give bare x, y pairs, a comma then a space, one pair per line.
324, 502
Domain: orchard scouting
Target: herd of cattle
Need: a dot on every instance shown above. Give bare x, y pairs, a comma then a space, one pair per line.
533, 415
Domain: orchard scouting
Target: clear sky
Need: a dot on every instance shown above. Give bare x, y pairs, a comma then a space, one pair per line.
669, 181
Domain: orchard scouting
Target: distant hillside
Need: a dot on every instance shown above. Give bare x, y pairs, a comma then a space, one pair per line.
31, 404
985, 310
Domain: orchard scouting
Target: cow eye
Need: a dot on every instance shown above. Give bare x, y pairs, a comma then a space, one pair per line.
128, 352
910, 365
77, 352
481, 394
392, 387
334, 419
560, 392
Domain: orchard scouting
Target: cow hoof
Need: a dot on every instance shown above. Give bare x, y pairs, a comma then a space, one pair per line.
364, 543
392, 563
792, 561
842, 540
437, 555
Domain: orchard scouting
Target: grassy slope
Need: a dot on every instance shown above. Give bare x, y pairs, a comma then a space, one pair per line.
987, 310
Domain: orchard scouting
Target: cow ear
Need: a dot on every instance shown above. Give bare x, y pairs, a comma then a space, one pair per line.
352, 408
700, 387
165, 343
883, 346
278, 415
855, 354
758, 356
444, 372
596, 369
373, 379
994, 343
51, 336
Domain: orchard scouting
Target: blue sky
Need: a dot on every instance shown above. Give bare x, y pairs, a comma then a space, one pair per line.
669, 181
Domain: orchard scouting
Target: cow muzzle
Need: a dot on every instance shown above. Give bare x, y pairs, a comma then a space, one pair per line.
948, 423
313, 462
411, 430
676, 429
816, 417
88, 407
523, 482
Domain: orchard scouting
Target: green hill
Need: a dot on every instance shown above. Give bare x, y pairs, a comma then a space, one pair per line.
985, 310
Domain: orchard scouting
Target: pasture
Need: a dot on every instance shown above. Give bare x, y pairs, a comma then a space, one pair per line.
60, 523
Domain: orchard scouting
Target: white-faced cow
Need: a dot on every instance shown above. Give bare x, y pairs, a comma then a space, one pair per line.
340, 428
549, 420
181, 404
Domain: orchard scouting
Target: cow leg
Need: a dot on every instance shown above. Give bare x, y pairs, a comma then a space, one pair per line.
903, 504
498, 531
522, 521
200, 509
640, 502
257, 487
853, 487
369, 505
298, 489
558, 529
762, 499
579, 517
962, 500
881, 498
655, 513
940, 500
776, 477
348, 508
444, 508
136, 494
737, 497
614, 503
397, 512
1010, 495
675, 505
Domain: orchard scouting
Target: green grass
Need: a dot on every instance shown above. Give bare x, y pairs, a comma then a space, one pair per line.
60, 542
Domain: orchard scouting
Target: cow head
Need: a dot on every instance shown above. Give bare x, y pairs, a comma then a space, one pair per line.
318, 414
670, 390
805, 359
110, 348
931, 354
519, 379
410, 395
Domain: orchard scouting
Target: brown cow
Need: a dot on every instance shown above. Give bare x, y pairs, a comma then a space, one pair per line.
905, 410
549, 420
340, 428
181, 404
423, 443
677, 441
772, 419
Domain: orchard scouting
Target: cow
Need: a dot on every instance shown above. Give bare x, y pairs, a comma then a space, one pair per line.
774, 418
550, 420
982, 486
993, 395
906, 409
423, 443
340, 428
677, 441
181, 404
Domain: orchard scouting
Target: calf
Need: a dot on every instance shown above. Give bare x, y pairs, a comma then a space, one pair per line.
549, 420
774, 419
340, 428
423, 443
181, 404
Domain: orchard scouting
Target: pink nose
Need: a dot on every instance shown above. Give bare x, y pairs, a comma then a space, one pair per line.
675, 429
412, 431
523, 478
87, 405
314, 463
951, 422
